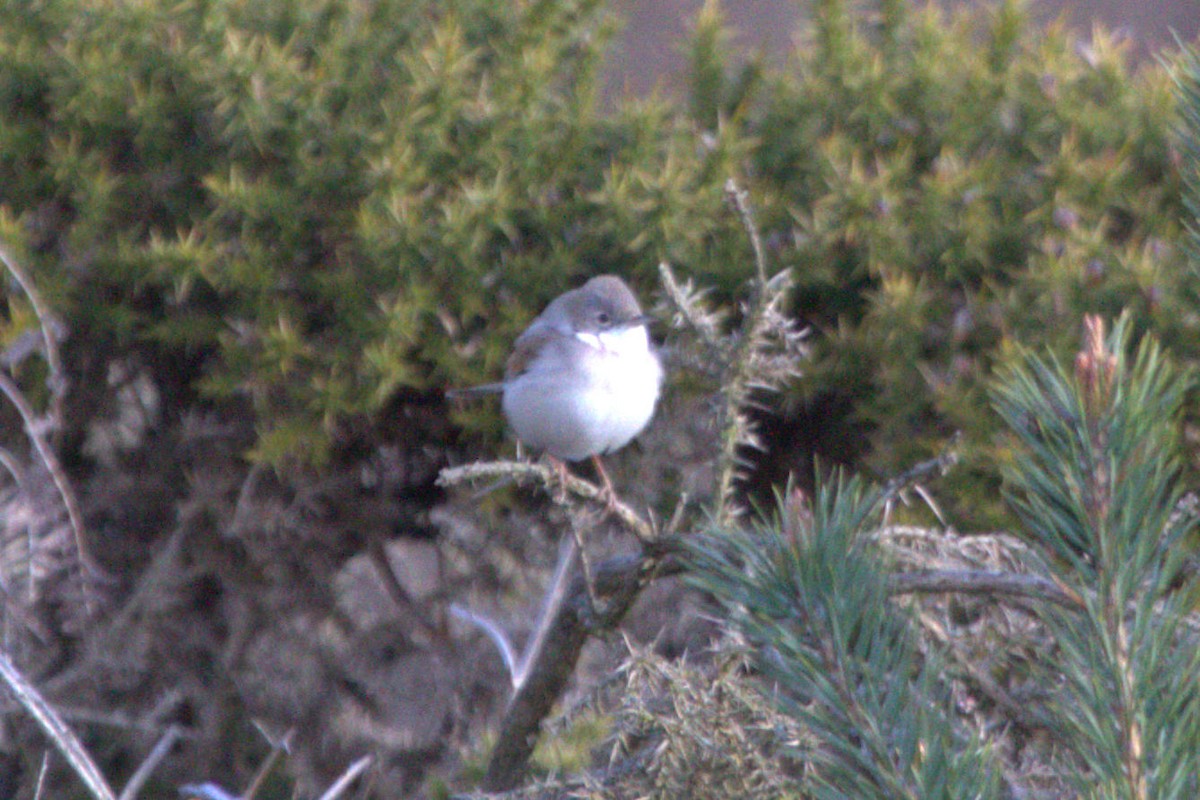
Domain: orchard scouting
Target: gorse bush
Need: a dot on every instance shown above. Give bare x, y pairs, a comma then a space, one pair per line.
944, 189
320, 202
312, 206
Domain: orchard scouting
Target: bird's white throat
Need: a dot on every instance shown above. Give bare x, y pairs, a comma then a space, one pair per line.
623, 341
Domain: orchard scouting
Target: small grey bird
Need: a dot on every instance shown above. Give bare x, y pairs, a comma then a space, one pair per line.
583, 379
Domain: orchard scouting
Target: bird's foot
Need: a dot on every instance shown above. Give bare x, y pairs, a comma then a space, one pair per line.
608, 495
559, 490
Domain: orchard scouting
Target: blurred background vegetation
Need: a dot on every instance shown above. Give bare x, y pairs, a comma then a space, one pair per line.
304, 221
311, 207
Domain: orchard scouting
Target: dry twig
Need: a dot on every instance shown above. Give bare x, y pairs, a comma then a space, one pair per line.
347, 778
58, 731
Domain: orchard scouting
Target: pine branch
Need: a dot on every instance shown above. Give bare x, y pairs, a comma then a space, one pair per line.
1097, 484
811, 596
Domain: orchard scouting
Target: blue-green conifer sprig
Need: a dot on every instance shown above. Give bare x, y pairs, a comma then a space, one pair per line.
1097, 485
811, 596
1097, 479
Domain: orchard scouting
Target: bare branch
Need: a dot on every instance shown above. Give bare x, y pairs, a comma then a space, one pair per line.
617, 581
278, 748
59, 476
935, 467
555, 597
546, 477
58, 379
493, 632
377, 554
1003, 584
41, 780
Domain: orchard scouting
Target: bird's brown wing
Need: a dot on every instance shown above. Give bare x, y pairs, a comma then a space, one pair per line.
527, 347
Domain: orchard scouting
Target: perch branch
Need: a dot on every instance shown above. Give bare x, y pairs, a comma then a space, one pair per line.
525, 472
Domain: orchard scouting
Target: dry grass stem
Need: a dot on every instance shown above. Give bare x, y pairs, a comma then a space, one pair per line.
147, 767
347, 778
58, 731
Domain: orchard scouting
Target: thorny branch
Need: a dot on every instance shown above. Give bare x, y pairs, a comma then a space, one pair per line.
525, 472
744, 361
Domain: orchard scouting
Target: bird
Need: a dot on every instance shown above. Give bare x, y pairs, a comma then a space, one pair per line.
584, 378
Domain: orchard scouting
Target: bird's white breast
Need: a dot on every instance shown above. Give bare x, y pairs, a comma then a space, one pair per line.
589, 394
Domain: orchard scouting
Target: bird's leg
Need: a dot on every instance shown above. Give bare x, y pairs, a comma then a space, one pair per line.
607, 493
560, 472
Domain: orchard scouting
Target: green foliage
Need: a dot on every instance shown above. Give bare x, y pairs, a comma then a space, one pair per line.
315, 203
1187, 85
311, 205
944, 188
811, 596
1097, 484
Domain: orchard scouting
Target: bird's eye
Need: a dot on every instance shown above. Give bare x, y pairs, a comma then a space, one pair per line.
603, 318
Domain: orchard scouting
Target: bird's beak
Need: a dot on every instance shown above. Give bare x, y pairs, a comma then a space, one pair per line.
639, 320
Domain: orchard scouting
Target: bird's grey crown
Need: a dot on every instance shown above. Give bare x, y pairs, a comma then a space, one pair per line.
603, 303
